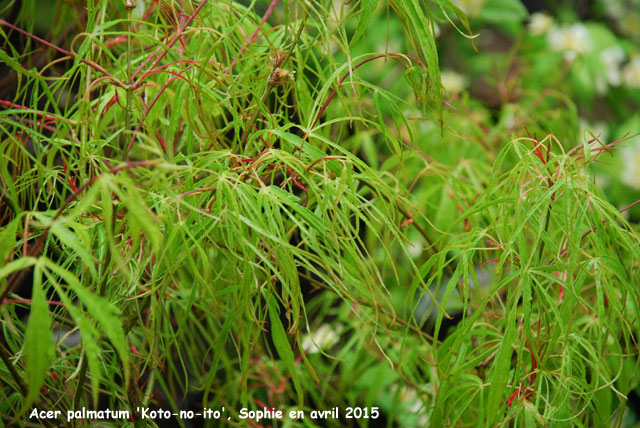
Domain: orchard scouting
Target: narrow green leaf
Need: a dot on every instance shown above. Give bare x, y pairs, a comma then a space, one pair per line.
38, 345
140, 216
425, 44
500, 373
503, 12
11, 62
83, 204
284, 350
8, 240
308, 365
383, 126
451, 285
367, 7
69, 239
90, 346
16, 265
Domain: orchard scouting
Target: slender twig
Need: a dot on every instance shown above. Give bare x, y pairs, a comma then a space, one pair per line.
347, 74
593, 229
45, 116
30, 301
153, 102
62, 51
125, 37
341, 81
253, 37
77, 396
127, 114
406, 214
172, 42
40, 58
630, 206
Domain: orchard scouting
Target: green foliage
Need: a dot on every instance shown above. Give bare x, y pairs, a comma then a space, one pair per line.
557, 293
234, 203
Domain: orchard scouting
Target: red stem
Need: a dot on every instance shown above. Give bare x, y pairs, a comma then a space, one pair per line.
48, 116
193, 192
593, 229
253, 37
32, 123
123, 38
59, 49
153, 102
29, 301
347, 74
630, 206
172, 42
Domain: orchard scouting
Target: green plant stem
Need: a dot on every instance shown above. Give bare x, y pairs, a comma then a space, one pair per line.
82, 374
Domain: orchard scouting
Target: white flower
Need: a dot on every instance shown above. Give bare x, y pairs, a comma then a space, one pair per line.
613, 55
612, 58
631, 173
572, 39
540, 23
601, 85
453, 82
631, 73
323, 337
409, 397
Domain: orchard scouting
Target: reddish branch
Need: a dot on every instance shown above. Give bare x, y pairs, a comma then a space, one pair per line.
123, 38
29, 301
153, 102
172, 42
46, 116
341, 81
347, 74
59, 49
253, 37
40, 59
593, 229
193, 192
